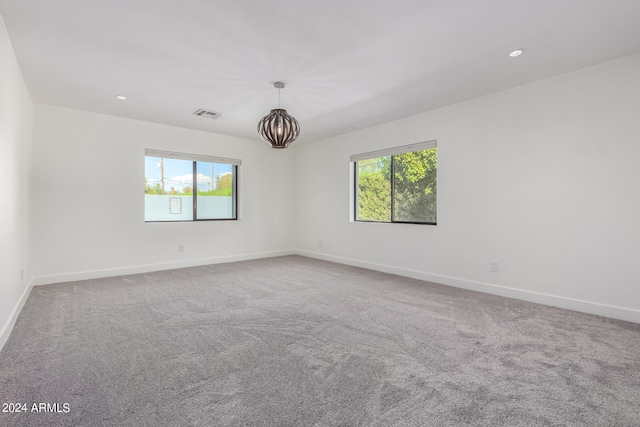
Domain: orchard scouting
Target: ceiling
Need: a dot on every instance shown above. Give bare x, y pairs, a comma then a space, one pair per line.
347, 64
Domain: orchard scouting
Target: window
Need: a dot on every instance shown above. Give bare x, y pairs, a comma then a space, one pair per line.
397, 185
188, 187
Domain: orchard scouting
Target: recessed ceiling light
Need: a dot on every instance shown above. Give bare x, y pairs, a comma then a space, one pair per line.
516, 52
121, 97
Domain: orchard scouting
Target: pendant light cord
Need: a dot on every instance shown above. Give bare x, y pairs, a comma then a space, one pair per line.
279, 86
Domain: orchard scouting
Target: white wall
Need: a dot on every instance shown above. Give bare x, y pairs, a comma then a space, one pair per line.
88, 209
543, 178
15, 150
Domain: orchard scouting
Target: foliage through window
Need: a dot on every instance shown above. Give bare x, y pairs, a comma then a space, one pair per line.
397, 185
186, 187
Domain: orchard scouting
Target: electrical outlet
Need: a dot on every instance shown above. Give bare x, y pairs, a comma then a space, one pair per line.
180, 248
494, 266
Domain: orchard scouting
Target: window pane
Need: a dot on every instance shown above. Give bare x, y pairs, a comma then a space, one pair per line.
167, 189
216, 190
373, 189
415, 186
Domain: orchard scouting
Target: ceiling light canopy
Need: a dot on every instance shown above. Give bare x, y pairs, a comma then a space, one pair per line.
516, 52
121, 97
278, 128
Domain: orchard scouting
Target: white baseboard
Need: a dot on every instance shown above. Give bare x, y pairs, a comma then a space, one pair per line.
11, 321
604, 310
598, 309
86, 275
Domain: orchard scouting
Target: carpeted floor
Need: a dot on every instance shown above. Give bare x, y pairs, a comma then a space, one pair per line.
293, 341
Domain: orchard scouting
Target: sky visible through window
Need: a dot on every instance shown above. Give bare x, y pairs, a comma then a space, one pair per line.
179, 173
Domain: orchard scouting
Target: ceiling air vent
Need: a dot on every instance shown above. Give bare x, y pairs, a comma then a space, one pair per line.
207, 113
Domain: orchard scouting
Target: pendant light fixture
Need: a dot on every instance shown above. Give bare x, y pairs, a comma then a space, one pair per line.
278, 128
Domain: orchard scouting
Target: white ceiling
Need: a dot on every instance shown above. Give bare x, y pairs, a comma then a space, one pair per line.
348, 64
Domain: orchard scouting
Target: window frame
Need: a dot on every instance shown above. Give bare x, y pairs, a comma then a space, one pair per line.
390, 152
195, 158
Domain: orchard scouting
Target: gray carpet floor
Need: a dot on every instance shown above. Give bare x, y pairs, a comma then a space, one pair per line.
294, 341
